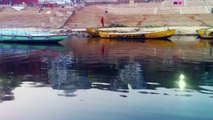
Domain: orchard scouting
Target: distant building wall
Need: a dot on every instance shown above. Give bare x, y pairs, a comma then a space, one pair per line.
18, 1
36, 1
139, 1
91, 2
55, 1
88, 2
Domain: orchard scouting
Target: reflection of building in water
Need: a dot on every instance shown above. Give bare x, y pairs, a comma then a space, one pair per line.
70, 75
162, 63
61, 76
132, 74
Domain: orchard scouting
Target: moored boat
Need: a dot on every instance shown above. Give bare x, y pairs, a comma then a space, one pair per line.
205, 33
139, 34
20, 36
32, 38
94, 32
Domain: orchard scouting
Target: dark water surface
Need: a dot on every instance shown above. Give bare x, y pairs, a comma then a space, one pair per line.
97, 79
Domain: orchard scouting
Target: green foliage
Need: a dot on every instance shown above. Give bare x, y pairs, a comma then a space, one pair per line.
150, 26
116, 25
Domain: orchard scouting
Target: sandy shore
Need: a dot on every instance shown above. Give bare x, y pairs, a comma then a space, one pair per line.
31, 17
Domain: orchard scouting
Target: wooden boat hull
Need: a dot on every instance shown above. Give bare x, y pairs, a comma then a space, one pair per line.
94, 32
32, 39
205, 33
138, 35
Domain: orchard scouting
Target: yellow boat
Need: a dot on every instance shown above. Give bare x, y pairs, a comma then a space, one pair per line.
139, 34
205, 33
94, 32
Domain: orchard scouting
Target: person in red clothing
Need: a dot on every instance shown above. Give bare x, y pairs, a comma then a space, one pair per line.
102, 21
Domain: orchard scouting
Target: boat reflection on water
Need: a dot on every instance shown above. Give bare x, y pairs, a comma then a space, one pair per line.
64, 75
122, 79
94, 64
113, 65
23, 46
123, 65
203, 43
24, 62
206, 74
112, 50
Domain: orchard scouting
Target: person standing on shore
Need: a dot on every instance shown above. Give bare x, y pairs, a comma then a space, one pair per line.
102, 21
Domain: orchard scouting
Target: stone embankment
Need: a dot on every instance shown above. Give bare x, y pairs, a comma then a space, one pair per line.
186, 19
34, 17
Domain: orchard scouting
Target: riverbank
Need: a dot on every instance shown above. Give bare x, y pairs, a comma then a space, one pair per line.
75, 20
149, 16
34, 17
138, 15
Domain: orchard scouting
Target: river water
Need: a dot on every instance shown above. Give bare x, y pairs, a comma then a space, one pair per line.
99, 79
